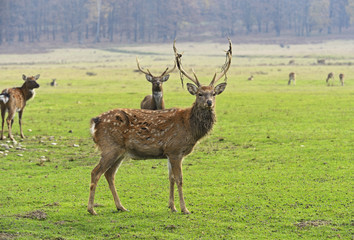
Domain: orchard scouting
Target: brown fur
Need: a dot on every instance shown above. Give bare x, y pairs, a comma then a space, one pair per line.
330, 76
16, 101
341, 79
292, 78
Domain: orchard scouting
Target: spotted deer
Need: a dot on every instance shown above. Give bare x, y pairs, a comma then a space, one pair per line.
155, 100
292, 78
330, 79
14, 100
163, 134
341, 79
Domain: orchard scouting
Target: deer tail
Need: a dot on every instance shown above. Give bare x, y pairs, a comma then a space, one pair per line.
94, 122
4, 96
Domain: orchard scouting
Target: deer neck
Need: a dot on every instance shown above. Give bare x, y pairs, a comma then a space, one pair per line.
27, 93
201, 121
158, 98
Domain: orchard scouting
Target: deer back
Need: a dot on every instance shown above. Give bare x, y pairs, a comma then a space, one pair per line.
144, 134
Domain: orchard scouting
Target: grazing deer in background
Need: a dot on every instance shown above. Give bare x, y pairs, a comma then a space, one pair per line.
147, 134
250, 78
155, 100
14, 100
341, 79
53, 83
292, 78
330, 76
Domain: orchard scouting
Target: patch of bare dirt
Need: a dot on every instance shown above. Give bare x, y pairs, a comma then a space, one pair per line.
312, 223
38, 214
6, 236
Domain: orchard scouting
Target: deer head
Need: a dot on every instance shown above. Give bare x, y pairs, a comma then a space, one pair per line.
30, 82
156, 81
205, 95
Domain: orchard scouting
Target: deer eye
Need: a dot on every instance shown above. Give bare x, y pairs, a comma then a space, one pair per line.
199, 94
214, 93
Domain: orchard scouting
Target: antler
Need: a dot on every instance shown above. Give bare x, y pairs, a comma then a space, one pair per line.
141, 70
179, 65
148, 71
225, 67
168, 71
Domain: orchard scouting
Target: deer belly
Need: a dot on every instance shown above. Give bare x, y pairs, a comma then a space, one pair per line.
145, 151
142, 155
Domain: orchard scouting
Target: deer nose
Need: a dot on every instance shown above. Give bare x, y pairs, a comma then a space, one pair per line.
209, 102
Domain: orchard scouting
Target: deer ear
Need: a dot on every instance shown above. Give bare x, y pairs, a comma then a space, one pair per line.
192, 89
148, 77
24, 77
37, 76
165, 78
220, 88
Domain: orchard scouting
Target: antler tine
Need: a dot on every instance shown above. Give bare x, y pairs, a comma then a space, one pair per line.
179, 65
226, 66
168, 71
141, 70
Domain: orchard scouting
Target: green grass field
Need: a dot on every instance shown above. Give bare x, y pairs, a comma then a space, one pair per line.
278, 164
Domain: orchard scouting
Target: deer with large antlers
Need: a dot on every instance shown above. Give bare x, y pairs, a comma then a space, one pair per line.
147, 134
155, 100
14, 100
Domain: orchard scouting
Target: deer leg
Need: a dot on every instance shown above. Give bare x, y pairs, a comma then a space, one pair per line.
3, 111
110, 176
176, 167
20, 123
9, 121
171, 203
106, 162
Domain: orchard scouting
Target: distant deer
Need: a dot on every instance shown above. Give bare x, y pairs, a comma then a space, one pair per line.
341, 79
250, 78
155, 100
147, 134
14, 100
292, 78
53, 83
330, 76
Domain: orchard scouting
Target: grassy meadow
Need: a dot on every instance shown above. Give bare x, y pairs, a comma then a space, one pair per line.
277, 165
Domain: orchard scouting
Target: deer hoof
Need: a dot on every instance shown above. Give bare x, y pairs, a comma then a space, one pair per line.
173, 209
186, 211
122, 209
93, 212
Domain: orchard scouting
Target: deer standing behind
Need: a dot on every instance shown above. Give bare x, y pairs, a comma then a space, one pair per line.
163, 134
330, 79
292, 78
14, 100
155, 100
341, 79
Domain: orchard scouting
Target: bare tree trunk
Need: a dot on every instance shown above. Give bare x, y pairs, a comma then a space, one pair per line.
99, 2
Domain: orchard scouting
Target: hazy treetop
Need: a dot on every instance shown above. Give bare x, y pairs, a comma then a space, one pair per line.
140, 21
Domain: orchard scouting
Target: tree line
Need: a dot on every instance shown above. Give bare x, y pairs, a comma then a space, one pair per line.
131, 21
